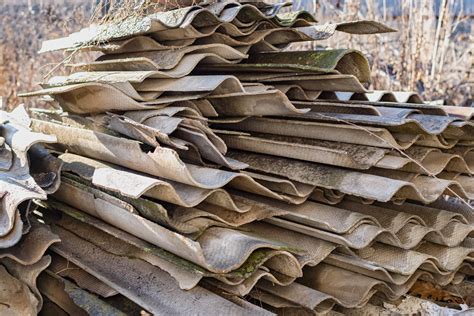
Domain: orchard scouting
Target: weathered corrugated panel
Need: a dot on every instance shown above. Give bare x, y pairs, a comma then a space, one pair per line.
16, 183
322, 206
158, 293
20, 267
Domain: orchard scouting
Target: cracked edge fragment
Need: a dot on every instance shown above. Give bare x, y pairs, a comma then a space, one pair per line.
22, 182
18, 288
72, 298
198, 140
32, 246
20, 267
6, 155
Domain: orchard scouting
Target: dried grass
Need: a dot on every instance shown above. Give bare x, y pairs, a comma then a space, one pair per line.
22, 30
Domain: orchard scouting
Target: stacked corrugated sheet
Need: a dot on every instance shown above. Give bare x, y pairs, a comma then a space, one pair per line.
23, 239
204, 164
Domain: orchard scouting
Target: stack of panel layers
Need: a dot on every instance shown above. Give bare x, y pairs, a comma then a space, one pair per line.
27, 172
203, 164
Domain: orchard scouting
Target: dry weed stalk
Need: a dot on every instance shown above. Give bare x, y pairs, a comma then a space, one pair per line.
22, 29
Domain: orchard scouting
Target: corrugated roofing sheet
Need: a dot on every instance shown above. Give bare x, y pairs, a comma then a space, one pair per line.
196, 146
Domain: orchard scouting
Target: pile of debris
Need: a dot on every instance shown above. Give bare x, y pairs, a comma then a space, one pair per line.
207, 171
